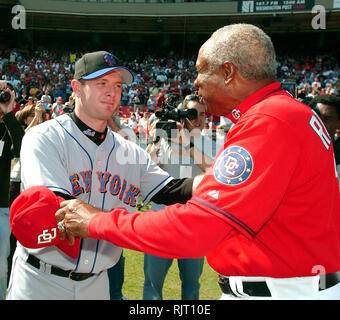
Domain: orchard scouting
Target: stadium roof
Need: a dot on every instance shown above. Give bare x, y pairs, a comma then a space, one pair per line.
186, 17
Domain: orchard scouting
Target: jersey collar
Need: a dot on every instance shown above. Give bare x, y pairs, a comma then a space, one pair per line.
95, 136
253, 99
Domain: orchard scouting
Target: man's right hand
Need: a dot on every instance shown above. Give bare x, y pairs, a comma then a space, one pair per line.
75, 215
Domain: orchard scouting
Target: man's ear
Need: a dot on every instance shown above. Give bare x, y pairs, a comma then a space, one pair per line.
75, 87
229, 71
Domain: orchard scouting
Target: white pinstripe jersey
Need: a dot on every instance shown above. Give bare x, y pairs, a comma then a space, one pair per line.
56, 154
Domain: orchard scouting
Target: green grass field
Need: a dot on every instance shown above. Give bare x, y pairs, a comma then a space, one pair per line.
134, 279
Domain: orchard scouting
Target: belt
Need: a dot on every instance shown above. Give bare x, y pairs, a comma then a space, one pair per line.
76, 276
260, 288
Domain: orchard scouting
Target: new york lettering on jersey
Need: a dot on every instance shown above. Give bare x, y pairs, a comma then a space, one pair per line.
108, 183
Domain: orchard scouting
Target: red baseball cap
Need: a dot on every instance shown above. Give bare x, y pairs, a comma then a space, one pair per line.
33, 223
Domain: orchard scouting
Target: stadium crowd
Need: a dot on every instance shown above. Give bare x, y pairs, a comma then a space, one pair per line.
45, 75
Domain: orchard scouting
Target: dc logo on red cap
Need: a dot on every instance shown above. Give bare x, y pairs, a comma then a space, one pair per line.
233, 166
47, 237
110, 59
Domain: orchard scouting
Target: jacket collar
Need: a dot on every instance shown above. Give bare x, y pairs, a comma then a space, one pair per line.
256, 97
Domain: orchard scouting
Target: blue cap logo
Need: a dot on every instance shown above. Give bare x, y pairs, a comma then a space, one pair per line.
233, 166
110, 59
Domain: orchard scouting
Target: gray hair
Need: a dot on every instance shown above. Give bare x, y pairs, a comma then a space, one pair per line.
247, 47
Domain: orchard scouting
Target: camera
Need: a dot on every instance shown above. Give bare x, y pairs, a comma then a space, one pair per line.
168, 112
5, 96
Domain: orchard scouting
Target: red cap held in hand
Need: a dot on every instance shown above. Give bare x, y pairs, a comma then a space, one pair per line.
33, 223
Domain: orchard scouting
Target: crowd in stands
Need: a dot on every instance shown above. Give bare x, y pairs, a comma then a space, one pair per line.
46, 75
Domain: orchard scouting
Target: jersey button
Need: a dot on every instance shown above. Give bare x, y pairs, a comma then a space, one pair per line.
86, 261
99, 163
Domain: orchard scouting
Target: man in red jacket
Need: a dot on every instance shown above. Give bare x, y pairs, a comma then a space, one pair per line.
266, 214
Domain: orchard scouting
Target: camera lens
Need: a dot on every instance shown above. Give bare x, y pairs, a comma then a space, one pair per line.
5, 96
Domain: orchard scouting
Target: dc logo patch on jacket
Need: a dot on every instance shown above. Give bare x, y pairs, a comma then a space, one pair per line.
233, 166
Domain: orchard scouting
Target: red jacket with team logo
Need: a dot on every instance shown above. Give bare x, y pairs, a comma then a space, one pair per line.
268, 206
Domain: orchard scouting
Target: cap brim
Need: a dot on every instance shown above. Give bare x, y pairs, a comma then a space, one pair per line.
126, 74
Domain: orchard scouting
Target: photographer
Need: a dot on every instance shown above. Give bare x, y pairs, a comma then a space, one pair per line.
181, 156
11, 134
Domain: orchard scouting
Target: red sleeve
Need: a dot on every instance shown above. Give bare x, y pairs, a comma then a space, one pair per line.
178, 231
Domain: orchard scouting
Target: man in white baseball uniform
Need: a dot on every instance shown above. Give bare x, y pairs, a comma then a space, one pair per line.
78, 156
